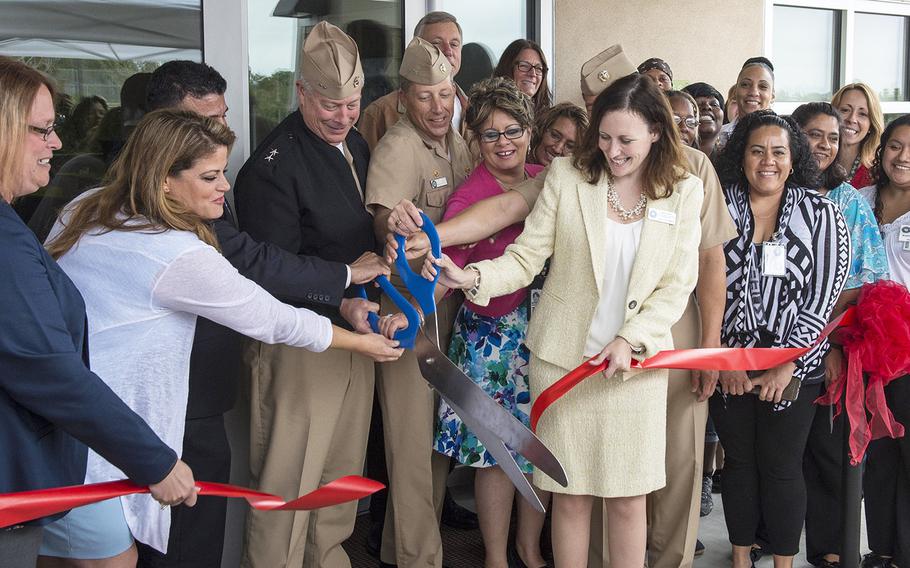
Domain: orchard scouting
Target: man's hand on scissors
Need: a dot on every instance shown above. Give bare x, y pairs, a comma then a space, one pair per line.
355, 312
416, 246
390, 323
404, 219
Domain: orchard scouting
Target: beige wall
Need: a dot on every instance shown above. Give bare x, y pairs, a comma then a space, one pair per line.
702, 40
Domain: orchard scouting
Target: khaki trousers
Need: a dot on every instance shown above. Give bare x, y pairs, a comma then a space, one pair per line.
310, 416
417, 474
673, 511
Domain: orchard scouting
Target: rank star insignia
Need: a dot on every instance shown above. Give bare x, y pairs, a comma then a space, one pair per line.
435, 173
356, 81
271, 155
603, 76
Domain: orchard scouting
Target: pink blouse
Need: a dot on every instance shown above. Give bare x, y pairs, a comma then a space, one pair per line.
480, 185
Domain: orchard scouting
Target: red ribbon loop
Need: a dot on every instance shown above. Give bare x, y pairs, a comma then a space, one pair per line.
17, 508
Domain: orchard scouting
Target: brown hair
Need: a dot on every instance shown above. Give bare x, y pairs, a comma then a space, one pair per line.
563, 110
869, 144
19, 85
164, 143
506, 68
665, 163
494, 94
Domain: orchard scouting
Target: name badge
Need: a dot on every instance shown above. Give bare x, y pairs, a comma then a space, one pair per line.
904, 235
662, 216
774, 259
439, 182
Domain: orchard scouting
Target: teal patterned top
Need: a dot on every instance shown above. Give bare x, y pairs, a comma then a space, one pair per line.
868, 262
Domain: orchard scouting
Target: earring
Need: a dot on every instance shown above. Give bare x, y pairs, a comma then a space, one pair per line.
791, 171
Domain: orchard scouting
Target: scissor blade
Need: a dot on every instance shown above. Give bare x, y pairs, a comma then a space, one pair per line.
479, 408
504, 458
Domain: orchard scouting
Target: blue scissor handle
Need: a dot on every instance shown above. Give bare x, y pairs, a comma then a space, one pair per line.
419, 287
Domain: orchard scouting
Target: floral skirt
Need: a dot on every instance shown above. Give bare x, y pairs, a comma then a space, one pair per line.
492, 352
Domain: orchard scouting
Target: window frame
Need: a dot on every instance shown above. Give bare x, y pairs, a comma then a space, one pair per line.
844, 41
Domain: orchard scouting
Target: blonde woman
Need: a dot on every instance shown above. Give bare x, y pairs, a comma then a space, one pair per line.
861, 110
141, 251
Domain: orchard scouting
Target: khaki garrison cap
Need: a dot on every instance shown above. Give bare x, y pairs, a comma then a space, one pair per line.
331, 63
601, 70
424, 64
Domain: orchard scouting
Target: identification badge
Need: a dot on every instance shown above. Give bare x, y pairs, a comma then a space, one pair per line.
774, 259
439, 182
904, 235
662, 216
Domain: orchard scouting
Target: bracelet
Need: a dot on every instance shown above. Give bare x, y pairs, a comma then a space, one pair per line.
475, 289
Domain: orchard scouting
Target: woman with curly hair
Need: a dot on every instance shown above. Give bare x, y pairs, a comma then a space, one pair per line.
557, 132
886, 480
524, 62
488, 342
785, 271
822, 465
620, 223
863, 124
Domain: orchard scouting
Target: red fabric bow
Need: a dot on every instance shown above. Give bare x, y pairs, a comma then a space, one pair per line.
17, 508
877, 344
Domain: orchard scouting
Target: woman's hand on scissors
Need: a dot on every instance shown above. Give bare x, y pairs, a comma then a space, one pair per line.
450, 275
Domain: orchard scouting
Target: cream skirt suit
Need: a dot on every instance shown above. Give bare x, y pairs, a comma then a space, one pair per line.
610, 435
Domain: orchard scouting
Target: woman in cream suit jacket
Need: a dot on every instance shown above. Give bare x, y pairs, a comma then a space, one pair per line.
620, 224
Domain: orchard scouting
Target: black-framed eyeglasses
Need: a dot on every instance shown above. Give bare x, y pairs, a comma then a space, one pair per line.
492, 136
526, 67
44, 133
688, 121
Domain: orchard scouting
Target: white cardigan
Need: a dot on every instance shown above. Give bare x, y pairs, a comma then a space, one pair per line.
143, 291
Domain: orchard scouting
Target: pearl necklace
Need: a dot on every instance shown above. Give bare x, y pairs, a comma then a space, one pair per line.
624, 214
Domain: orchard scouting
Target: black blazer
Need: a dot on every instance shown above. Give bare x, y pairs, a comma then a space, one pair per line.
215, 361
298, 192
50, 402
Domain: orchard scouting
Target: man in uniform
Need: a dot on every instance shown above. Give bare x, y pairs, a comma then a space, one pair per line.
421, 160
302, 189
197, 534
442, 30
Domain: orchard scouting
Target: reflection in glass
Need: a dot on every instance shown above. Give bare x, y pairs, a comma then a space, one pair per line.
100, 53
804, 63
879, 56
488, 28
277, 29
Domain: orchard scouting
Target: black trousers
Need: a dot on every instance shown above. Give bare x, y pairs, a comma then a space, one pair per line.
763, 474
822, 467
196, 539
886, 483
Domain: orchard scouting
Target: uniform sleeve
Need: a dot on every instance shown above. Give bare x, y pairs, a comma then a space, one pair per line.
666, 304
204, 283
530, 188
371, 125
291, 277
42, 370
392, 177
716, 224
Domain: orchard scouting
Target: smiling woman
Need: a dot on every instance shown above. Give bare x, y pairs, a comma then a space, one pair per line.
523, 61
785, 271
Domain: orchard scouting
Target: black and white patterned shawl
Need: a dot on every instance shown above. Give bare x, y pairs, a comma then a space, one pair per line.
792, 309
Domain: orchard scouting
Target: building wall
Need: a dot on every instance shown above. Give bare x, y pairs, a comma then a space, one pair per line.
698, 38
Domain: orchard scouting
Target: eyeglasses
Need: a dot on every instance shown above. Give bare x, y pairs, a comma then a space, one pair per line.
43, 132
492, 136
688, 121
526, 67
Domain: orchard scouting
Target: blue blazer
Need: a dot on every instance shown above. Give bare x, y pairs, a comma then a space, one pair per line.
51, 404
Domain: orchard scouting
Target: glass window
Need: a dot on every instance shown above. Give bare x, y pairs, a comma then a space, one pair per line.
100, 53
880, 54
805, 63
277, 29
488, 27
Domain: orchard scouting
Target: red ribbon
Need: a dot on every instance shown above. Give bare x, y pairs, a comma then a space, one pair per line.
877, 346
17, 508
718, 359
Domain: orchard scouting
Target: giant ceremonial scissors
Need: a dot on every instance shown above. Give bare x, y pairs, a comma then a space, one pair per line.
496, 428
